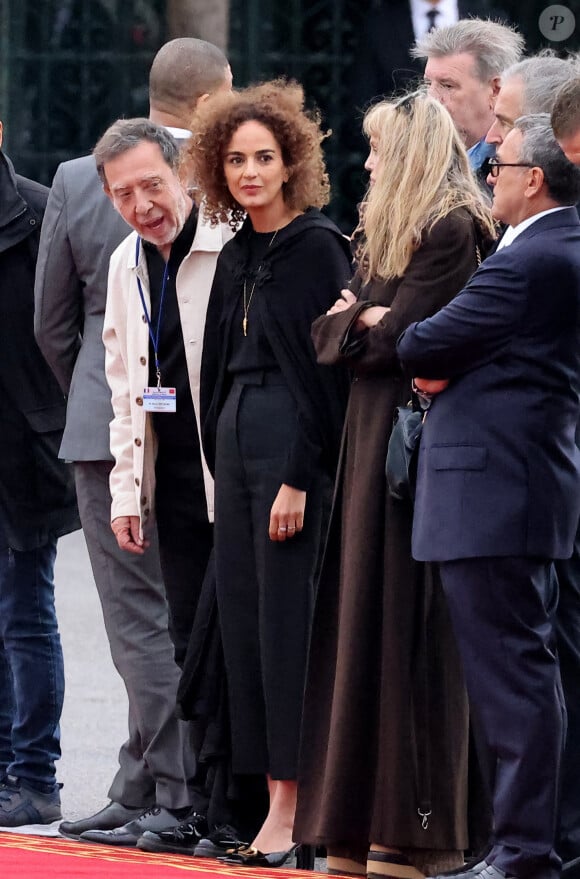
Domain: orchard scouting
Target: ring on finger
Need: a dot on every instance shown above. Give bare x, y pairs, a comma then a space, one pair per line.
282, 528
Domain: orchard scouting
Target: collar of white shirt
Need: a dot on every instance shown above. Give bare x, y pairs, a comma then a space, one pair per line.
512, 232
179, 133
448, 14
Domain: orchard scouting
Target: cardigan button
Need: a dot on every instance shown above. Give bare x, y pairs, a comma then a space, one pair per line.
143, 361
143, 500
137, 481
143, 318
139, 401
146, 511
138, 441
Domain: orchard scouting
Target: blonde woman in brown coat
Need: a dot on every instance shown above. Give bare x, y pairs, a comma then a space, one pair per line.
383, 772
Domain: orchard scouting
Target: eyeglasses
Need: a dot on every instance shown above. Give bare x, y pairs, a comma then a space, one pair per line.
494, 165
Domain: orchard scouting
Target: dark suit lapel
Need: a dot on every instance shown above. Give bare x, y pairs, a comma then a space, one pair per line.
566, 217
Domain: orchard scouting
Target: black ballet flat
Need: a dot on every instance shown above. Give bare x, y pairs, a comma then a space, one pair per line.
249, 856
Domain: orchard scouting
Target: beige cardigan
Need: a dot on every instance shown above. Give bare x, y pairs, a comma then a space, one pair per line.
126, 339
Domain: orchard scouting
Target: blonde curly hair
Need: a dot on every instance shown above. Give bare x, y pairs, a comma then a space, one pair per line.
279, 106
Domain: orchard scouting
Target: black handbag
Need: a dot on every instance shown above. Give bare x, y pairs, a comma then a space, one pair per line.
403, 451
403, 448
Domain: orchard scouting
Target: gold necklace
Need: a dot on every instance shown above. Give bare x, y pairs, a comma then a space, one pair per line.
247, 300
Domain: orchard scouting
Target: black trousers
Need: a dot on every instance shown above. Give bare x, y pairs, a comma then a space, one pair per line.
265, 590
568, 632
502, 611
185, 537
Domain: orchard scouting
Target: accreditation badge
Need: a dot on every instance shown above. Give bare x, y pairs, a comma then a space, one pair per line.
159, 399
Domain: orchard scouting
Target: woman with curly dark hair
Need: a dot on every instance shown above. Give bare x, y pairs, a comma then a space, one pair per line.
271, 418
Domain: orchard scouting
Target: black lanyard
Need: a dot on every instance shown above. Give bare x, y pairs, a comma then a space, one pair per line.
154, 337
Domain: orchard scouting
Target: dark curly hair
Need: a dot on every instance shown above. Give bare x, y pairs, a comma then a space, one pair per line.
279, 106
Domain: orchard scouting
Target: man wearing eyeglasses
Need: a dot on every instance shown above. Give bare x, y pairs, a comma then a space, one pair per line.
498, 486
533, 86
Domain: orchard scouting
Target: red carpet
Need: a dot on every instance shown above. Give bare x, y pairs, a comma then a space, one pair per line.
35, 857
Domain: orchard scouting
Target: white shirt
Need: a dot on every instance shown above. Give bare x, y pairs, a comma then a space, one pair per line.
448, 14
178, 133
512, 232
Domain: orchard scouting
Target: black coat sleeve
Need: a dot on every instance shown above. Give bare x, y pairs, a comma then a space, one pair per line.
305, 284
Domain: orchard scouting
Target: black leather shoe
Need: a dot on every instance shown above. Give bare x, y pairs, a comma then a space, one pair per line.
221, 840
180, 840
113, 815
156, 818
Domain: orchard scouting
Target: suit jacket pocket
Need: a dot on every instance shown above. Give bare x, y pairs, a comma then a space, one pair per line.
458, 457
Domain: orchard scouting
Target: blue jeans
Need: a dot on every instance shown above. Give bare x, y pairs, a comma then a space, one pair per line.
31, 665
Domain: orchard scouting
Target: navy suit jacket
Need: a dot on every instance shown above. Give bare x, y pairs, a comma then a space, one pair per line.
498, 470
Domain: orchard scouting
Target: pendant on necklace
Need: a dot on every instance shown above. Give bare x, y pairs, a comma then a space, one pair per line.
245, 326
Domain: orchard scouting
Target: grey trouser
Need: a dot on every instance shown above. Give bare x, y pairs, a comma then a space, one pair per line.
157, 763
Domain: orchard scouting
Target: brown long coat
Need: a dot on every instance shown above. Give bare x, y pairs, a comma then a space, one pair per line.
379, 740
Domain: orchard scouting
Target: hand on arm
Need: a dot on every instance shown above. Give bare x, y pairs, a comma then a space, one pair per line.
370, 317
346, 300
126, 530
287, 513
367, 318
430, 386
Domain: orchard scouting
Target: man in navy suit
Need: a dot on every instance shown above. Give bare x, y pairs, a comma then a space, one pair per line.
498, 487
532, 86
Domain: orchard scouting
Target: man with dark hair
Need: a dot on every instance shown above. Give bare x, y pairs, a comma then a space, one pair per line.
153, 788
37, 505
153, 334
498, 485
183, 72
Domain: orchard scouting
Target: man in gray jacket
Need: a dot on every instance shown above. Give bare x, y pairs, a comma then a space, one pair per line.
153, 788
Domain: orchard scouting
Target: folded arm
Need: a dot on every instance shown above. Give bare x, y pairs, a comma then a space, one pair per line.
473, 329
364, 334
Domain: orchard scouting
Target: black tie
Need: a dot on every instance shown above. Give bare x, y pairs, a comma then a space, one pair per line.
432, 15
